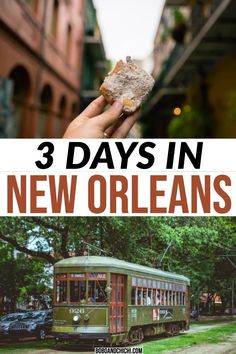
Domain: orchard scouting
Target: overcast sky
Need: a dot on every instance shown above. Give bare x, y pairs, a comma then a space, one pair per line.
128, 27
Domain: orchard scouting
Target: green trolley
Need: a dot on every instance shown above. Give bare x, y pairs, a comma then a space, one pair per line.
103, 300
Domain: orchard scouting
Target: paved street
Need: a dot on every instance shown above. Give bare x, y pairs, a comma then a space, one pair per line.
228, 347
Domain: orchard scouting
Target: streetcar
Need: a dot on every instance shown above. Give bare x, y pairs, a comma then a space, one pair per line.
106, 301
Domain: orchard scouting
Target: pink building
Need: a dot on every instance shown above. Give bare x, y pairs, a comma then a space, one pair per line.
41, 44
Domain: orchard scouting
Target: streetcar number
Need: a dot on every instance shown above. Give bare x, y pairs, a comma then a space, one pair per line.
76, 310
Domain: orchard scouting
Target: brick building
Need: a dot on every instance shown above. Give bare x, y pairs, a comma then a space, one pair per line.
41, 45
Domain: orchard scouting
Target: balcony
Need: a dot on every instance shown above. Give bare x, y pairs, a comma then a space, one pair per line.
211, 38
211, 35
95, 47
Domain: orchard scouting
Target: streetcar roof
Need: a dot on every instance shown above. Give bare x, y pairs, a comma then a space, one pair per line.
110, 262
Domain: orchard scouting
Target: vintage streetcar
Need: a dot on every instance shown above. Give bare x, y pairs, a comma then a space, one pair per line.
102, 300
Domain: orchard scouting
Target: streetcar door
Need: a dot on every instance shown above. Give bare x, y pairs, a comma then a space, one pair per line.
117, 303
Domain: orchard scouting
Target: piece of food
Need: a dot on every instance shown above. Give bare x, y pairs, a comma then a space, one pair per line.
128, 83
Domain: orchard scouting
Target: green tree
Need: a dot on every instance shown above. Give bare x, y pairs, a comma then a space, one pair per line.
197, 245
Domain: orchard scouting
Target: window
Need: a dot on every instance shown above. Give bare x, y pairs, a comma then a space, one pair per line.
149, 297
140, 296
55, 18
183, 299
177, 298
157, 297
79, 286
134, 281
96, 291
61, 288
170, 298
140, 281
173, 298
144, 297
149, 292
134, 296
78, 291
97, 288
68, 41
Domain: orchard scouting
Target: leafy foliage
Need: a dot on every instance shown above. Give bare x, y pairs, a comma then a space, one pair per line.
189, 124
20, 278
198, 246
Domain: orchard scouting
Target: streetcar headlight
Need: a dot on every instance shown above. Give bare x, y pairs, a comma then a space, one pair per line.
76, 318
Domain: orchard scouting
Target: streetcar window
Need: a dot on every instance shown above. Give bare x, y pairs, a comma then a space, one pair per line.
140, 281
183, 299
154, 298
134, 297
166, 297
78, 291
61, 287
174, 298
162, 297
157, 298
144, 302
149, 297
97, 291
166, 294
140, 296
170, 298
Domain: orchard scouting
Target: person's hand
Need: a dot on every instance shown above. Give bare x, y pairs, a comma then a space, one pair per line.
92, 123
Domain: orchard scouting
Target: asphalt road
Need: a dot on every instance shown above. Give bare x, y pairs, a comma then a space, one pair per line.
218, 348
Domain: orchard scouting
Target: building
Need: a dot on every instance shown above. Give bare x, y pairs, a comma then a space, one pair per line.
95, 64
41, 44
195, 71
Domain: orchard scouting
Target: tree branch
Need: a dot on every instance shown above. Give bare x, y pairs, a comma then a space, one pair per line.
63, 231
48, 225
64, 240
39, 254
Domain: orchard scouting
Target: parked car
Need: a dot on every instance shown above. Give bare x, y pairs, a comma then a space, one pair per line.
7, 320
194, 314
230, 311
36, 324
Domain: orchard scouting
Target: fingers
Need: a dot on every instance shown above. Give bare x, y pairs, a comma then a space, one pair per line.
112, 128
123, 130
95, 108
110, 117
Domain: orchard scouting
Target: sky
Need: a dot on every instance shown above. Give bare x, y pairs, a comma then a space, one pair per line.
128, 27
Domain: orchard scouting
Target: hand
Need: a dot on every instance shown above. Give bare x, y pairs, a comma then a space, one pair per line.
92, 123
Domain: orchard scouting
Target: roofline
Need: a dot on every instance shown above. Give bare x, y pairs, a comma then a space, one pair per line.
96, 261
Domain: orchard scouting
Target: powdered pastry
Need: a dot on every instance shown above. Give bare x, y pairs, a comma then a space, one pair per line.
128, 83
